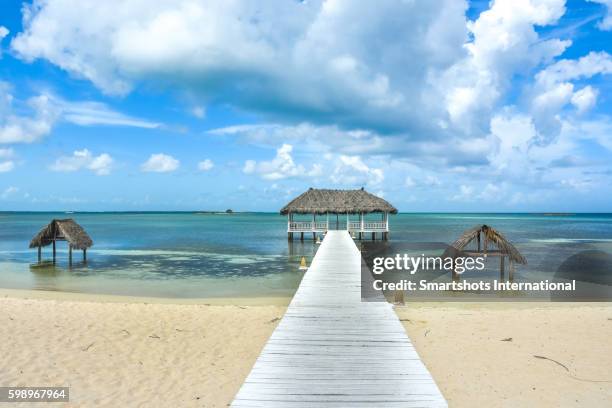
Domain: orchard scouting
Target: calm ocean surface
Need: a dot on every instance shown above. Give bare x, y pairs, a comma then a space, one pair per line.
191, 255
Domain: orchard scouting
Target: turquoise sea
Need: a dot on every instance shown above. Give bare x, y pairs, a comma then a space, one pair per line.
197, 255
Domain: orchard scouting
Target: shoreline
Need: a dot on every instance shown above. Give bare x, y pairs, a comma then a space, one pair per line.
129, 299
43, 294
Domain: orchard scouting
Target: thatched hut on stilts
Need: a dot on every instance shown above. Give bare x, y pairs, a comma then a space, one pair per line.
341, 205
483, 236
62, 230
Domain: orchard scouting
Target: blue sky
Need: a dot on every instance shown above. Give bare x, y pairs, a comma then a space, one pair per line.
197, 105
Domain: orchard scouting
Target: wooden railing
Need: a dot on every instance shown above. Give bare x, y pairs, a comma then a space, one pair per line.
307, 226
322, 226
369, 226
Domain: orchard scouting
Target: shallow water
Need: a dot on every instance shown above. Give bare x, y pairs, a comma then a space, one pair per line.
217, 255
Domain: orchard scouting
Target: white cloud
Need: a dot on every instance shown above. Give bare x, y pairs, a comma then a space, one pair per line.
3, 33
281, 166
249, 167
199, 112
9, 191
580, 185
490, 193
592, 64
466, 193
6, 153
6, 162
585, 98
409, 182
160, 163
45, 110
553, 90
606, 22
6, 166
101, 165
511, 136
328, 54
84, 159
206, 165
432, 181
18, 128
504, 42
95, 113
351, 170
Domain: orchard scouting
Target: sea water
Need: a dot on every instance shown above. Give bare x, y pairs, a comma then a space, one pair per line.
197, 255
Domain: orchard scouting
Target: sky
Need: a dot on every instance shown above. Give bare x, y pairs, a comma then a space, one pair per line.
501, 106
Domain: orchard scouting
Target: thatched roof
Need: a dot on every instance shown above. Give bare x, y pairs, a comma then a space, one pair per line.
67, 230
321, 201
489, 235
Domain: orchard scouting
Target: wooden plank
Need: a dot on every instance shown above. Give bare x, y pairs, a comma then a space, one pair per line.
332, 350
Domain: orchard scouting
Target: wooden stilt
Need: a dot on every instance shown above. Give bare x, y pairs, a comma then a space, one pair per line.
373, 236
39, 254
70, 255
360, 236
510, 270
301, 236
85, 255
398, 297
501, 268
54, 251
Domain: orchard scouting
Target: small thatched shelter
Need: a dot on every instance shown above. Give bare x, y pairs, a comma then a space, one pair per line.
483, 236
62, 230
338, 202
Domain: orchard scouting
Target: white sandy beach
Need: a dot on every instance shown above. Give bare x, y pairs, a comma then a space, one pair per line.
126, 354
114, 351
483, 354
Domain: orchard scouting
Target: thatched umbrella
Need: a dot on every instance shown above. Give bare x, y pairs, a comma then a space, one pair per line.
62, 230
484, 235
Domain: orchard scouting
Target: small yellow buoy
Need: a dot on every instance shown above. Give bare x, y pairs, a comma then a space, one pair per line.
303, 266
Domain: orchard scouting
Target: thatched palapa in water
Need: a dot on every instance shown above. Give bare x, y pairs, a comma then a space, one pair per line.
62, 230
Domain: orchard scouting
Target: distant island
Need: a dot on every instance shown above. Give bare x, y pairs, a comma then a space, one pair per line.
228, 211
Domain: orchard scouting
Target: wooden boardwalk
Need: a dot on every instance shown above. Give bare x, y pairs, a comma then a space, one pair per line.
332, 350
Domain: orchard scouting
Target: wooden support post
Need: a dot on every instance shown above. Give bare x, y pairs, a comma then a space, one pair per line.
313, 225
314, 236
54, 250
69, 254
478, 242
510, 270
373, 236
84, 254
501, 268
360, 236
301, 236
398, 297
39, 254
